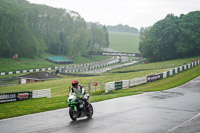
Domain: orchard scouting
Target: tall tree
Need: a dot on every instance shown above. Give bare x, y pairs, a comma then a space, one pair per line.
189, 39
107, 43
172, 37
31, 29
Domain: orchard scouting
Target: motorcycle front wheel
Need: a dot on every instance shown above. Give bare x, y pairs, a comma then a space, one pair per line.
73, 114
90, 111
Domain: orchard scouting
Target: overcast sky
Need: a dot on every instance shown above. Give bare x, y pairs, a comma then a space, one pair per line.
135, 13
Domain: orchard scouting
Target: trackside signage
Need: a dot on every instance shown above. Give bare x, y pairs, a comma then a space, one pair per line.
18, 96
119, 54
137, 81
114, 53
7, 97
152, 78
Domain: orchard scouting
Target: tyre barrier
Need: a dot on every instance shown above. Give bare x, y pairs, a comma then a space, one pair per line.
31, 70
110, 86
88, 67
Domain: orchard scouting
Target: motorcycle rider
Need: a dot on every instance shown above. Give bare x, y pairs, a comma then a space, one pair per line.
79, 90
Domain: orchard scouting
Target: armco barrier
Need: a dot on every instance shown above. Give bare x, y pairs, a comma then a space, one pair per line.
158, 76
24, 95
137, 81
178, 70
183, 68
118, 85
150, 78
125, 84
164, 75
42, 93
110, 86
161, 75
168, 73
171, 72
15, 96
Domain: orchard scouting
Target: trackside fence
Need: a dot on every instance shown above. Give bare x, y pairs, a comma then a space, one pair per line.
42, 93
24, 95
116, 85
69, 68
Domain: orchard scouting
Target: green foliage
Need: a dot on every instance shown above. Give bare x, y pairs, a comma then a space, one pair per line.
15, 34
122, 28
172, 37
107, 42
30, 30
98, 37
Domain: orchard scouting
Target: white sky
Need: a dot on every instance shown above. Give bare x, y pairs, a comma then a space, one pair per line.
135, 13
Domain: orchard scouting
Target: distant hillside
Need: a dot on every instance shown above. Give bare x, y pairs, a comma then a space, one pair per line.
122, 28
124, 42
116, 28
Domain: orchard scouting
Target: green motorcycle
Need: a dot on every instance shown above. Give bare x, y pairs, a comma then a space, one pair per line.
78, 108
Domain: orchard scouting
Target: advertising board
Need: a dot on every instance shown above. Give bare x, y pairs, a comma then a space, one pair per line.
152, 78
118, 85
17, 96
138, 81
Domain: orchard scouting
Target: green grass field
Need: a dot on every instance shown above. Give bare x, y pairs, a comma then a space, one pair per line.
124, 42
60, 87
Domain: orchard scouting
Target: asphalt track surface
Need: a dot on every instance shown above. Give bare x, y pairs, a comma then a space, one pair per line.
171, 111
106, 69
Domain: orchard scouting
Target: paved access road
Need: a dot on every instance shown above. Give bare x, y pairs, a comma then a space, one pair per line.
172, 111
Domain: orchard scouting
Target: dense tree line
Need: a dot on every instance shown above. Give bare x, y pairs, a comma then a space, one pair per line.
122, 28
172, 37
30, 30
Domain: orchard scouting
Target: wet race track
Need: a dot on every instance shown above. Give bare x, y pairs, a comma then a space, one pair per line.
171, 111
